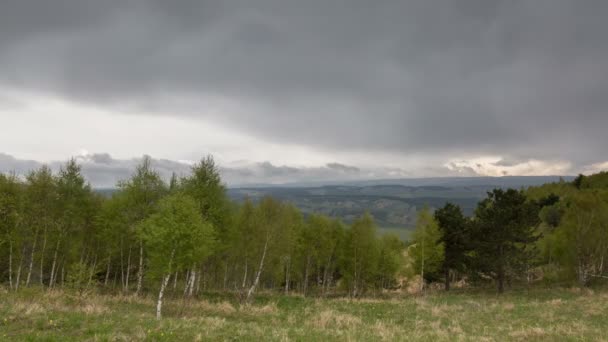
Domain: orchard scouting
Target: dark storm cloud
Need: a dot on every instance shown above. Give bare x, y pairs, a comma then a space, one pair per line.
518, 78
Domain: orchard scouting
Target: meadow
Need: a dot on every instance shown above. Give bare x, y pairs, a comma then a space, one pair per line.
538, 314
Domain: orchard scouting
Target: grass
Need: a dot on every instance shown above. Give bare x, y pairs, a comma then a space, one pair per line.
553, 314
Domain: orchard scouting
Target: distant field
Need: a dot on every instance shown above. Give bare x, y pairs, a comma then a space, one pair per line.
557, 314
403, 233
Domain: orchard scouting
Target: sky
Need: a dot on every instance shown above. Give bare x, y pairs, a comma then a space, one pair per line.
283, 91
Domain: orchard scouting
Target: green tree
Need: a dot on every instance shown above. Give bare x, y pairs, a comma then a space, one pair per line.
176, 237
390, 261
11, 200
504, 232
454, 235
582, 236
205, 186
426, 250
267, 225
142, 193
360, 255
42, 215
75, 201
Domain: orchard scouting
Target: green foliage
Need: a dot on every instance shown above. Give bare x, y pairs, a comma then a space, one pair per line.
79, 277
361, 253
390, 261
427, 249
504, 232
581, 239
454, 229
55, 231
176, 235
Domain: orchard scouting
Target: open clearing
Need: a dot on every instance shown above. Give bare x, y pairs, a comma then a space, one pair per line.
557, 314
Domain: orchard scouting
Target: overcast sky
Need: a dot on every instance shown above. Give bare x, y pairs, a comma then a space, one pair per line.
282, 90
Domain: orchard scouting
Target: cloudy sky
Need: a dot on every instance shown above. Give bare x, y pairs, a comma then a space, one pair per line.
282, 90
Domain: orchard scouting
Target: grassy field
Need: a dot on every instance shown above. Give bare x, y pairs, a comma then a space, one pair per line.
556, 314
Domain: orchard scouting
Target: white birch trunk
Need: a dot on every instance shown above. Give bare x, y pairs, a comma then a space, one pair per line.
259, 272
105, 281
161, 293
128, 275
192, 280
245, 275
31, 266
42, 258
140, 271
54, 265
18, 280
10, 263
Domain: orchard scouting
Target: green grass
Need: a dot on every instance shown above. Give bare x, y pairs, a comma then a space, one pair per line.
553, 314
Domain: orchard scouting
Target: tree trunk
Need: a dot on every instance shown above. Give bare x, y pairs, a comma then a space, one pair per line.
92, 271
159, 303
10, 263
326, 271
122, 265
175, 281
225, 274
287, 264
163, 285
245, 275
105, 281
192, 280
186, 282
128, 274
31, 267
306, 271
422, 262
42, 258
501, 272
18, 280
140, 271
447, 278
259, 272
198, 281
54, 265
62, 271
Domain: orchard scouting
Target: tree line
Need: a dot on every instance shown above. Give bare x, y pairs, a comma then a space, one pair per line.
185, 236
555, 233
181, 237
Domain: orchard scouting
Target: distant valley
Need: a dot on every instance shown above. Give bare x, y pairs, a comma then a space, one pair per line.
393, 203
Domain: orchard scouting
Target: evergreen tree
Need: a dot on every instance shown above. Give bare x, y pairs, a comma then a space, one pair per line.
504, 230
454, 235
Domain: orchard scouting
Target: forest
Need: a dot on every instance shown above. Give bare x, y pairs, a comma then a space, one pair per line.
184, 238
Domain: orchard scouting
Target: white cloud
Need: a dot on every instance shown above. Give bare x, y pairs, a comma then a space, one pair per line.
495, 166
595, 168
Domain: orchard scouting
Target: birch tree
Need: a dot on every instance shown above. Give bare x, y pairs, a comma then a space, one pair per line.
10, 217
176, 237
143, 191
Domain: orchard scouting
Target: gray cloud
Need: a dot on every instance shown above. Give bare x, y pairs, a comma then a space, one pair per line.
104, 171
517, 78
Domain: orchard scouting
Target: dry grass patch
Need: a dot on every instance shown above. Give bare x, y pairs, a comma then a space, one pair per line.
221, 307
334, 320
532, 333
27, 308
267, 309
508, 306
384, 331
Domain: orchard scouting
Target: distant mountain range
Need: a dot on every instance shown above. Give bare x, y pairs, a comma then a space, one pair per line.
506, 181
394, 203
